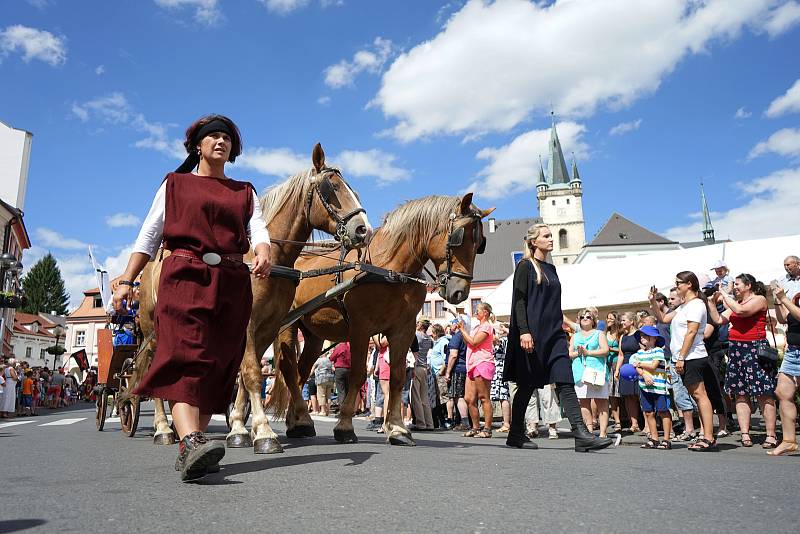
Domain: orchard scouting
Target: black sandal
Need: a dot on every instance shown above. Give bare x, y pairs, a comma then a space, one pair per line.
665, 445
770, 442
748, 441
710, 446
650, 444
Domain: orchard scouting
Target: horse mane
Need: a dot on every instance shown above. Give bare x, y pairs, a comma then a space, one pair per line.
417, 221
276, 197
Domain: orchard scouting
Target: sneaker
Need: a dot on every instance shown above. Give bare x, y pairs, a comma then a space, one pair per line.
196, 454
552, 433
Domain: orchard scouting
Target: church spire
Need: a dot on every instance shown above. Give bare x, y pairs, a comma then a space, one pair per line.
558, 167
575, 176
708, 230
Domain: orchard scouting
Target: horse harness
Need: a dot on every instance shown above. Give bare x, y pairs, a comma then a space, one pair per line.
455, 238
325, 190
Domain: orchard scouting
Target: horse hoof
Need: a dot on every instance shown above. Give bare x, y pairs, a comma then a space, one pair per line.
267, 446
345, 436
164, 439
239, 441
402, 439
304, 431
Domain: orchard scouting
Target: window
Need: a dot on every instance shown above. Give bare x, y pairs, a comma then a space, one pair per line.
439, 307
80, 338
35, 327
474, 304
567, 201
426, 309
28, 351
41, 354
98, 301
554, 202
562, 239
566, 260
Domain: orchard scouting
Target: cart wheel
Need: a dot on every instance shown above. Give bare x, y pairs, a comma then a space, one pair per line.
129, 415
101, 405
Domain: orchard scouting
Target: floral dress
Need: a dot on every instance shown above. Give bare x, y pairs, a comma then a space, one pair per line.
499, 389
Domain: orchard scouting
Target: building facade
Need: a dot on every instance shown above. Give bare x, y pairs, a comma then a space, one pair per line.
82, 327
33, 335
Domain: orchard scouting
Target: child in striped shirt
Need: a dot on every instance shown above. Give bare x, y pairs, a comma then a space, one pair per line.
651, 364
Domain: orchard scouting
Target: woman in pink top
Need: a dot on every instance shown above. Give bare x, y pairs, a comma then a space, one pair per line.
480, 371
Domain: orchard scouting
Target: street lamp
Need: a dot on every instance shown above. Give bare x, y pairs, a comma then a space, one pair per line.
59, 332
8, 262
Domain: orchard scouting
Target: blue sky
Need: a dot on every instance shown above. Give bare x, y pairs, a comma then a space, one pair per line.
409, 99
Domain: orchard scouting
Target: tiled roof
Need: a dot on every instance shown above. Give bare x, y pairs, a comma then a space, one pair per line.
496, 264
28, 318
621, 231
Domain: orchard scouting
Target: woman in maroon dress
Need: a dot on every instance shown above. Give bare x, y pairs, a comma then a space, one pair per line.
207, 221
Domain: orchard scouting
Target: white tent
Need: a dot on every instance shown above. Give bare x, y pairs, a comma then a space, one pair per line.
617, 282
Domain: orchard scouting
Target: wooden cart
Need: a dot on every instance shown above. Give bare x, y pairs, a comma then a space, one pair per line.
114, 368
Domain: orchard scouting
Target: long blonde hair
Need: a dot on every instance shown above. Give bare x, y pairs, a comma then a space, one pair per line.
531, 235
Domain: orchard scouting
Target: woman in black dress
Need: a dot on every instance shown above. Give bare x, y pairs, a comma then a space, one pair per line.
537, 352
628, 346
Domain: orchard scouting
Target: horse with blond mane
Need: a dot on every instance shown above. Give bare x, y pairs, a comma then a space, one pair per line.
443, 230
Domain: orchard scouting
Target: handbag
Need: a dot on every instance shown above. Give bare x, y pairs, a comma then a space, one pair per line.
593, 376
766, 353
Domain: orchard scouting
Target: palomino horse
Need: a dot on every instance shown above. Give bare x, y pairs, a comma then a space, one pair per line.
315, 199
445, 230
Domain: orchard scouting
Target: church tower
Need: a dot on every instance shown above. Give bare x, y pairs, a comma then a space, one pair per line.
708, 230
560, 202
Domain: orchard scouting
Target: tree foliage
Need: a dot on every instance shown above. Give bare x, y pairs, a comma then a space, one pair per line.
44, 288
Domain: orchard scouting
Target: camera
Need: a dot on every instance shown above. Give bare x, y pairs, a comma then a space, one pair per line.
709, 291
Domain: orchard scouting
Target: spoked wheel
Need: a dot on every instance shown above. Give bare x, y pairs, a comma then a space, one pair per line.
129, 415
247, 410
101, 407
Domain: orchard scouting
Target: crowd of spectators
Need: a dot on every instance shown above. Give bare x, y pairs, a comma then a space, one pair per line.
25, 390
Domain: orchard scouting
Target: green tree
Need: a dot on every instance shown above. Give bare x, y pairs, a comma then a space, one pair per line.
44, 288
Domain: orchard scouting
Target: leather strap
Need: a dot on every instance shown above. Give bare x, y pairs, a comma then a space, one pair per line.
232, 258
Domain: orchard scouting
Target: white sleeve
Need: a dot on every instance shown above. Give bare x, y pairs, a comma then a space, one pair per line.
257, 228
153, 226
696, 311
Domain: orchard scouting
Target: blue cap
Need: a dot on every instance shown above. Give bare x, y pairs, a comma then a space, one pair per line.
651, 331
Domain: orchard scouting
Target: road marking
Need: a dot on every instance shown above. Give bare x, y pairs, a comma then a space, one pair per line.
62, 422
15, 423
112, 419
218, 418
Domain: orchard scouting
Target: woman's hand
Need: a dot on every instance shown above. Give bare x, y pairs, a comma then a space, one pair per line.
679, 366
616, 373
526, 342
261, 264
122, 293
778, 292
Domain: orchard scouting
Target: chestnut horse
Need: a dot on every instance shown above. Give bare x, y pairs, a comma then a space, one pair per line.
318, 198
442, 229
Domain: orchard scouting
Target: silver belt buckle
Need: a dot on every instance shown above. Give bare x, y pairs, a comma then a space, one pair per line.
211, 258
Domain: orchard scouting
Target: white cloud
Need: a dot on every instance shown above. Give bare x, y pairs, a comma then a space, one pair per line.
205, 11
785, 142
770, 210
742, 113
34, 44
515, 167
625, 127
324, 100
283, 7
371, 163
273, 161
121, 220
496, 64
370, 60
115, 109
100, 69
789, 102
48, 238
782, 18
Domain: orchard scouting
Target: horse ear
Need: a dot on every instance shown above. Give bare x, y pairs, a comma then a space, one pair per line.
466, 202
318, 157
486, 213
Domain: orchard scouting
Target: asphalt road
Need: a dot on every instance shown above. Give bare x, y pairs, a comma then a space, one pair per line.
67, 477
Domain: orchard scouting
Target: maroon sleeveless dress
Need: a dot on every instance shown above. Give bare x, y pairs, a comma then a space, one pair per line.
202, 311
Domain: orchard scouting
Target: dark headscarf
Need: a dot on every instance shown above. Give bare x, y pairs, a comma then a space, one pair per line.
193, 158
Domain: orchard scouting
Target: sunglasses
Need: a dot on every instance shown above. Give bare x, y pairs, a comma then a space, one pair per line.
679, 282
586, 317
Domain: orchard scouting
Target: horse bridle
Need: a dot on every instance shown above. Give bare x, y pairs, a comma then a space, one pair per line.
455, 238
325, 190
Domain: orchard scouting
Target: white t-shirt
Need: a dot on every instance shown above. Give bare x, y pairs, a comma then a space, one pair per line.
694, 311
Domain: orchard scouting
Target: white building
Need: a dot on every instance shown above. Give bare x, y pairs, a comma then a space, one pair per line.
33, 335
82, 327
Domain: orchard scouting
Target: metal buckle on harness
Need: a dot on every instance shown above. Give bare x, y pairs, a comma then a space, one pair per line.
211, 258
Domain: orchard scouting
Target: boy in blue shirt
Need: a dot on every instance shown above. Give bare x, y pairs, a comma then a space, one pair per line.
651, 364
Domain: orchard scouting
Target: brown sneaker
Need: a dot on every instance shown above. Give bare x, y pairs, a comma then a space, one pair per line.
197, 456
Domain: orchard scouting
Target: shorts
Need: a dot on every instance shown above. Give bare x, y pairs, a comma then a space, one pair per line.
695, 370
442, 383
324, 391
27, 401
483, 370
312, 386
791, 361
304, 392
54, 392
591, 391
653, 402
378, 394
458, 383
